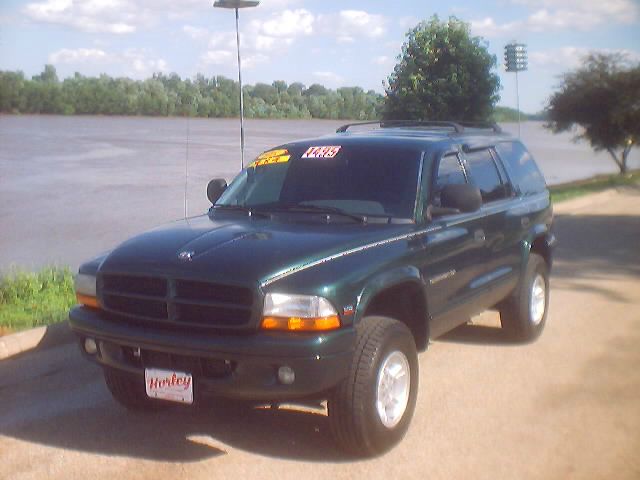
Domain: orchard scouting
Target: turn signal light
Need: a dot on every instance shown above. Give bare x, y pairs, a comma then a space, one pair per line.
87, 300
298, 324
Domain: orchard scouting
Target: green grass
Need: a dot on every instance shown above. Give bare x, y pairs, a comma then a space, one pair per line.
29, 299
571, 190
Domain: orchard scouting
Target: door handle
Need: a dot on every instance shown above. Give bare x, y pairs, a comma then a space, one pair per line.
479, 236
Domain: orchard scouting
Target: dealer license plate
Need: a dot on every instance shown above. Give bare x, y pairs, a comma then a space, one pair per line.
169, 385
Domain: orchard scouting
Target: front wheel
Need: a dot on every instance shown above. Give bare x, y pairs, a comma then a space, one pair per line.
370, 411
129, 391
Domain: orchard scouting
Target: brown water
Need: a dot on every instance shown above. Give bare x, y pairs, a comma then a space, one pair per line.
71, 187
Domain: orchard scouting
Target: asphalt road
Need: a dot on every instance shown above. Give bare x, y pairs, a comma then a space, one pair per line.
567, 406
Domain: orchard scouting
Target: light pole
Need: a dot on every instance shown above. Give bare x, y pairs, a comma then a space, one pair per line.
236, 5
515, 60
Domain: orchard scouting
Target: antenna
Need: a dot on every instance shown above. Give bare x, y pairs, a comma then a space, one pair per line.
186, 171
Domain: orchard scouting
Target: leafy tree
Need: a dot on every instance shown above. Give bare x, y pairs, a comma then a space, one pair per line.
602, 97
443, 74
167, 95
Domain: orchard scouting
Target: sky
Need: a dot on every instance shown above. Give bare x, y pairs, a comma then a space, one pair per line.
333, 43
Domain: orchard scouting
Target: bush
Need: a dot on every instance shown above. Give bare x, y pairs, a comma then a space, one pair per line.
29, 299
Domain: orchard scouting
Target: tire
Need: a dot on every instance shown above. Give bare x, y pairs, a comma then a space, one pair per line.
523, 315
359, 423
129, 391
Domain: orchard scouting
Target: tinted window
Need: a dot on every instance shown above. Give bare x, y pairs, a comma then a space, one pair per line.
449, 172
365, 180
522, 168
484, 175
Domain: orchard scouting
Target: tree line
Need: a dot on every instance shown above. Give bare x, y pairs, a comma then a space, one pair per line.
170, 95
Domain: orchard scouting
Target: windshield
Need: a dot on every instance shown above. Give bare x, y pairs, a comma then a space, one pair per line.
355, 179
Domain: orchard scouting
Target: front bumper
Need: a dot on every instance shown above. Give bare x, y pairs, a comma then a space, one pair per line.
233, 366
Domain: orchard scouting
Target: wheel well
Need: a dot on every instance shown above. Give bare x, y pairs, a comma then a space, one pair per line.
541, 247
406, 303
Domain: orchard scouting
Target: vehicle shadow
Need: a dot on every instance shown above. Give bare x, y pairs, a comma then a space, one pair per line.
75, 411
478, 334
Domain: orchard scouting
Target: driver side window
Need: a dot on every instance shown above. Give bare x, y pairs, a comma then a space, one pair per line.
449, 172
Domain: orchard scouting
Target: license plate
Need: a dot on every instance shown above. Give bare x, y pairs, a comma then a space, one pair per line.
169, 385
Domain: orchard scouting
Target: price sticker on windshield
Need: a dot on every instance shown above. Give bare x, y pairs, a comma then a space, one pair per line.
325, 151
271, 157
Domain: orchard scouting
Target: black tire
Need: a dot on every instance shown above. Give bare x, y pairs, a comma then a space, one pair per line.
129, 391
355, 423
516, 311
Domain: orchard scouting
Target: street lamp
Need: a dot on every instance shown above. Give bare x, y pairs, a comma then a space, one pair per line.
236, 5
515, 60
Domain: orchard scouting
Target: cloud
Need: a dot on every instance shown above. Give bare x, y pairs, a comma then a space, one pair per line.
107, 16
79, 55
352, 24
382, 60
133, 62
568, 58
331, 77
550, 15
196, 33
216, 57
289, 23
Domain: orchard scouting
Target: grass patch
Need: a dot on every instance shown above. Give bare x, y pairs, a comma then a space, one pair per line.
571, 190
31, 299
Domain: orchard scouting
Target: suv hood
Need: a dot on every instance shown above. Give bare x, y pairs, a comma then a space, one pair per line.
238, 250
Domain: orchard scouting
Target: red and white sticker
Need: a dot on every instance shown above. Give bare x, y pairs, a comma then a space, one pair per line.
325, 151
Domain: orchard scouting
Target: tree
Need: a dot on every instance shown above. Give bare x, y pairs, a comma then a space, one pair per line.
603, 98
443, 74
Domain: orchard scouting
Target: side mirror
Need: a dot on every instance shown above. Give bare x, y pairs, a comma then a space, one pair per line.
464, 198
215, 189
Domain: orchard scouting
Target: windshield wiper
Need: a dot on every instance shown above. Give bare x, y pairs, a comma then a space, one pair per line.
319, 209
239, 208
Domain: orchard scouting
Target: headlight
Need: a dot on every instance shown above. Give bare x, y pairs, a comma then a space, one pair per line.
302, 313
85, 286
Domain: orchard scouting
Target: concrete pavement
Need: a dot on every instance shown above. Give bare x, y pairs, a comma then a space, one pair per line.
566, 406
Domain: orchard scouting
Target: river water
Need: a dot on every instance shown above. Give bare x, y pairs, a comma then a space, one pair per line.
72, 187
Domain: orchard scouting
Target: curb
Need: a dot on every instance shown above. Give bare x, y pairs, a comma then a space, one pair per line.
37, 338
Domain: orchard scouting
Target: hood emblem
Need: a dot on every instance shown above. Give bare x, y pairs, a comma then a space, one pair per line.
186, 256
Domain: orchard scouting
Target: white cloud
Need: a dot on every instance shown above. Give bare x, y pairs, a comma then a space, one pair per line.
225, 40
382, 60
136, 63
79, 55
353, 24
289, 23
567, 58
345, 39
196, 33
331, 77
562, 14
251, 61
216, 57
108, 16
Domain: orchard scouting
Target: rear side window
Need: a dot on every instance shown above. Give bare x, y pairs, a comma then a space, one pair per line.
484, 175
521, 167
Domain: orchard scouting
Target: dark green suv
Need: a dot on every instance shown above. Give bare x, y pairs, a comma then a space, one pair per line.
321, 270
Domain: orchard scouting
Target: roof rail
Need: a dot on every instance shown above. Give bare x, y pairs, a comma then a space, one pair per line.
458, 127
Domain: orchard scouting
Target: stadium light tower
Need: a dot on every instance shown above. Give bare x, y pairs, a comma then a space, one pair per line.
515, 60
237, 5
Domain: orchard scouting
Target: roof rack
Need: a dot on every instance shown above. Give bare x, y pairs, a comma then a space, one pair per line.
457, 127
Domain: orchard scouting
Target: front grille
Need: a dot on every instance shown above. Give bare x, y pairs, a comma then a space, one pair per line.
178, 303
